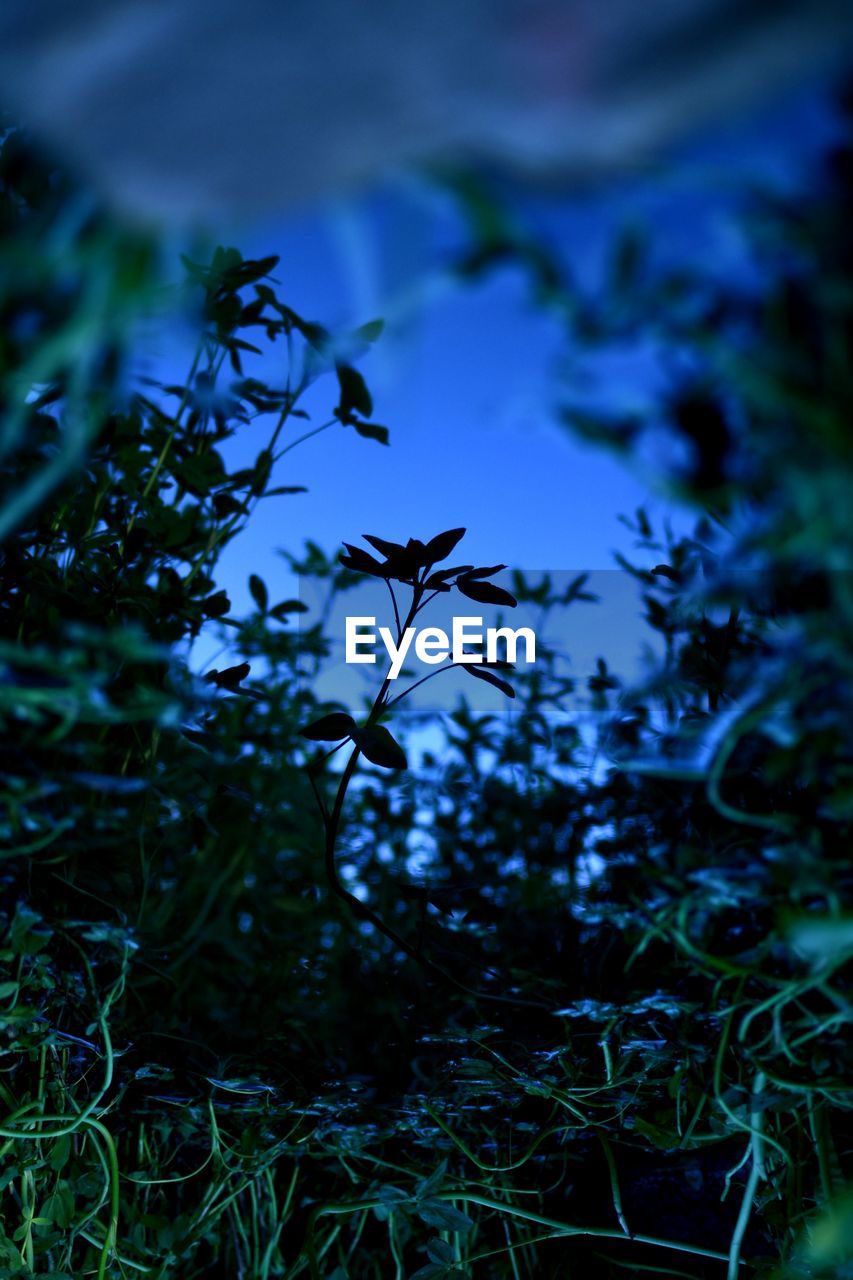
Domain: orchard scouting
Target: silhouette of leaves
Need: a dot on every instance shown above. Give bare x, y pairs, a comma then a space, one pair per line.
380, 747
485, 592
355, 397
361, 560
334, 727
481, 671
440, 547
372, 431
230, 678
259, 592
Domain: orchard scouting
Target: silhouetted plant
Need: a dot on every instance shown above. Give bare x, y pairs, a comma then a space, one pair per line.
411, 566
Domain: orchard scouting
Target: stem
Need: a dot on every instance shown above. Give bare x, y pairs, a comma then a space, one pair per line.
417, 683
299, 439
560, 1228
396, 610
755, 1173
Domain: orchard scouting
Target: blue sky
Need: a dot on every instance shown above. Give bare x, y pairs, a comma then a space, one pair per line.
467, 375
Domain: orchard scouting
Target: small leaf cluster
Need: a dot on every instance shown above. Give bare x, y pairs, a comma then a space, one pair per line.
413, 564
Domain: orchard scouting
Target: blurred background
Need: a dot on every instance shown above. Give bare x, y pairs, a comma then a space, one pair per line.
370, 146
275, 1010
211, 109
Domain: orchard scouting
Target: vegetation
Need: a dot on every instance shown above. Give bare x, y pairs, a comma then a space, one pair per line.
240, 1036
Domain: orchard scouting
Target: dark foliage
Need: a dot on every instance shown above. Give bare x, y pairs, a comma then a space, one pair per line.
607, 1030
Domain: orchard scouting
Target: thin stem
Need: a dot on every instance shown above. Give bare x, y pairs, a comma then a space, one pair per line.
417, 683
755, 1173
300, 439
396, 610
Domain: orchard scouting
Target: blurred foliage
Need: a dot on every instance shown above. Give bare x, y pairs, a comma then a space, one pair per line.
583, 1005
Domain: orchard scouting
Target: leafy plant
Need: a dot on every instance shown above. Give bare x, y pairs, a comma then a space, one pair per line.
411, 566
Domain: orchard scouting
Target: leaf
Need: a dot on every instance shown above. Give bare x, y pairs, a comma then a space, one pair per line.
355, 397
440, 547
483, 673
383, 546
229, 678
443, 1216
199, 474
224, 505
60, 1152
380, 747
660, 1138
440, 1251
28, 934
429, 1186
391, 1199
250, 1088
260, 595
575, 590
261, 471
284, 607
241, 343
372, 431
389, 1194
58, 1208
369, 332
485, 572
437, 580
359, 559
249, 272
314, 334
331, 728
485, 592
216, 606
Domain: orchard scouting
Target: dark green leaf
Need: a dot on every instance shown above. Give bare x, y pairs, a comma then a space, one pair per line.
355, 397
428, 1186
485, 592
485, 572
260, 595
230, 678
372, 431
248, 272
440, 1251
281, 610
440, 547
483, 673
225, 505
360, 560
369, 332
383, 546
331, 728
216, 606
440, 1214
378, 745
